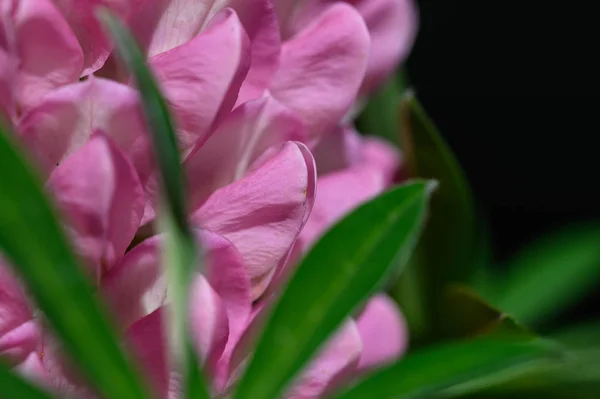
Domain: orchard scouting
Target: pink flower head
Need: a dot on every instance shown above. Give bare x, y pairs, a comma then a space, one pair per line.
270, 166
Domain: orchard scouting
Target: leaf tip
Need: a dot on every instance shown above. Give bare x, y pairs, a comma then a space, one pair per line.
431, 186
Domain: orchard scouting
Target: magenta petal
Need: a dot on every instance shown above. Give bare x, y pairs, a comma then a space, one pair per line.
200, 80
18, 334
99, 192
8, 67
263, 212
322, 68
33, 369
260, 22
83, 21
381, 155
245, 135
179, 22
393, 26
336, 362
67, 117
337, 150
337, 194
49, 53
383, 331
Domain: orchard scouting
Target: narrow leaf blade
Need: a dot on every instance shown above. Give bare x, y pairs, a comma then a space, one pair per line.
551, 273
180, 254
443, 368
33, 242
338, 274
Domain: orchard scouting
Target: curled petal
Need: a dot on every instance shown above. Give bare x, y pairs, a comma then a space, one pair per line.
100, 193
49, 53
81, 15
67, 117
338, 149
383, 332
263, 212
322, 68
337, 194
200, 80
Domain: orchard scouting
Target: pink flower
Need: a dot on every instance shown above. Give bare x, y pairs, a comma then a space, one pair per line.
269, 166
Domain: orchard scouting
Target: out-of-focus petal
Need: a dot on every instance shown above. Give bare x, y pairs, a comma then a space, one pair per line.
393, 26
50, 55
8, 65
263, 212
99, 192
67, 117
322, 68
337, 361
201, 80
383, 332
337, 194
381, 155
338, 149
18, 334
33, 369
81, 15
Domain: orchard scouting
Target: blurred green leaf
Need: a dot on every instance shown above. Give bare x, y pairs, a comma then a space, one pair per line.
36, 246
445, 371
180, 254
550, 274
448, 251
13, 386
583, 335
380, 115
467, 315
347, 265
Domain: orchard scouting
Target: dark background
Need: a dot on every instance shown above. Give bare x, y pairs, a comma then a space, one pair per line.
513, 88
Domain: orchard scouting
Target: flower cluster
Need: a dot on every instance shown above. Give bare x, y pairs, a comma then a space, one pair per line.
260, 91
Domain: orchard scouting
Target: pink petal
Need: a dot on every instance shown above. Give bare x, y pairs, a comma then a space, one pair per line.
83, 21
100, 193
179, 22
263, 212
238, 142
393, 26
322, 68
67, 117
33, 369
8, 67
337, 194
261, 25
137, 286
49, 53
337, 150
200, 80
18, 338
335, 363
381, 155
383, 331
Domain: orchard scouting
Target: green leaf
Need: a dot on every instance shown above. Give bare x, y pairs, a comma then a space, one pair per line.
467, 315
448, 251
14, 386
346, 266
379, 117
447, 369
36, 246
551, 273
180, 254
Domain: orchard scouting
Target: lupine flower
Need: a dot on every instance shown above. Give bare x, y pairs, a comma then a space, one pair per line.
252, 107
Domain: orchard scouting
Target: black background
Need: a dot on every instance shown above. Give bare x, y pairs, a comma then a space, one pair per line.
513, 87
